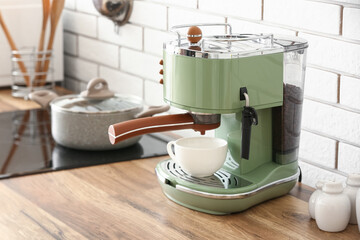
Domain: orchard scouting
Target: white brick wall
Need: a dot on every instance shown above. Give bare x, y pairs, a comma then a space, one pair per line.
242, 26
332, 121
72, 84
178, 16
330, 143
350, 92
239, 8
129, 35
154, 39
180, 3
140, 64
99, 51
70, 4
311, 174
333, 54
149, 14
351, 23
80, 23
350, 1
321, 149
349, 158
84, 6
154, 93
121, 82
80, 69
315, 81
310, 15
70, 43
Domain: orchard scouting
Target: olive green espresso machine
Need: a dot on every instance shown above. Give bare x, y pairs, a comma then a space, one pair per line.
254, 85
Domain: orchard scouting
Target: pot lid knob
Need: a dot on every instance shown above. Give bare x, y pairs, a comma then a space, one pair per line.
194, 34
97, 88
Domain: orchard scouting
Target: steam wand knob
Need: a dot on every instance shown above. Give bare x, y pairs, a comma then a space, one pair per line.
194, 34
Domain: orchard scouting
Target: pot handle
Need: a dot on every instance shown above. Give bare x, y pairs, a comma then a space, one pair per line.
43, 97
97, 88
152, 110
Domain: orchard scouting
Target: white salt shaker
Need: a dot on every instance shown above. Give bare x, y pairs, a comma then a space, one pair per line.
351, 189
314, 196
332, 208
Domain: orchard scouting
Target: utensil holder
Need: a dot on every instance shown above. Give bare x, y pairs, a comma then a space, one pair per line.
35, 78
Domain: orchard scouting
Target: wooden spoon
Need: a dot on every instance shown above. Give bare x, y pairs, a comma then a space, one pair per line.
14, 48
56, 9
46, 11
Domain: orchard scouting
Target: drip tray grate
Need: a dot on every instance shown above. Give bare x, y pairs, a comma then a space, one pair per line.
220, 179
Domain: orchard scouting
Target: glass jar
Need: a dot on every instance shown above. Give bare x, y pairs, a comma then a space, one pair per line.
31, 71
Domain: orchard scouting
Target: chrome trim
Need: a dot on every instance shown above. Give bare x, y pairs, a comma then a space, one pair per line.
277, 44
171, 48
160, 177
220, 55
201, 118
221, 179
239, 37
228, 196
174, 28
198, 35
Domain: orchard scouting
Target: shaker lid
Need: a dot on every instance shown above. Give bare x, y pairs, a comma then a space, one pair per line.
320, 184
333, 187
229, 46
97, 99
353, 180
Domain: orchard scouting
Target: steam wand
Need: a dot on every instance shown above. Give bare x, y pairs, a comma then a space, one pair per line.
249, 118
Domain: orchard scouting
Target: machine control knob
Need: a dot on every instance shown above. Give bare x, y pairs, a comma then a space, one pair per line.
161, 71
194, 34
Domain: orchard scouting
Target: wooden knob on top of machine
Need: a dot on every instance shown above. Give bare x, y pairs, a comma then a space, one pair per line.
194, 34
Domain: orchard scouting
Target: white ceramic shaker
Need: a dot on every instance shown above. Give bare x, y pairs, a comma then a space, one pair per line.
351, 189
358, 207
314, 196
332, 208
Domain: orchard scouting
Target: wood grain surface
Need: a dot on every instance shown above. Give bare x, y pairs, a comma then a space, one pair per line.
9, 103
124, 201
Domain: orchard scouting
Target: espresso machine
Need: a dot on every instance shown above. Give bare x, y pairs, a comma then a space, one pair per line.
249, 87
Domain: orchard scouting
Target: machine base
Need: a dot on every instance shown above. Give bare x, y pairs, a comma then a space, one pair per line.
223, 203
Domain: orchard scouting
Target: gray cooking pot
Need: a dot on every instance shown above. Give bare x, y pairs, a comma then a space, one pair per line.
82, 121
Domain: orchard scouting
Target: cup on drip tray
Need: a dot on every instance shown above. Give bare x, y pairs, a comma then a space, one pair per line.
199, 156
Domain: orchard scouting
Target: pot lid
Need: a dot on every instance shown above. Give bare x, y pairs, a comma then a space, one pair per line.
79, 104
97, 98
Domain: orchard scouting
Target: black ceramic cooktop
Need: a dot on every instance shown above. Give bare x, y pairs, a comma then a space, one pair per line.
27, 147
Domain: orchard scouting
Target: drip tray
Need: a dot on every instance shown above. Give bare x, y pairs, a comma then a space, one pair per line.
221, 179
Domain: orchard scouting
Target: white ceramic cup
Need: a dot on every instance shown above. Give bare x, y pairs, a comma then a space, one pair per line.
199, 156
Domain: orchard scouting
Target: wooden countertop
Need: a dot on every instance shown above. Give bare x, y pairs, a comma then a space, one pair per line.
125, 201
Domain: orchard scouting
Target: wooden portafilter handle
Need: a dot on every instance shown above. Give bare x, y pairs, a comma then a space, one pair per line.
124, 130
